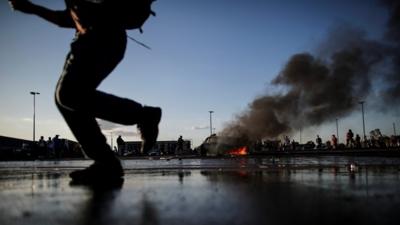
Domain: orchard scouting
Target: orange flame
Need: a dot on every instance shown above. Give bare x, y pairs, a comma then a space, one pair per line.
238, 151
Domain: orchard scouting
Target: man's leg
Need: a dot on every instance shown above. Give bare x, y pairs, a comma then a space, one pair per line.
78, 93
87, 132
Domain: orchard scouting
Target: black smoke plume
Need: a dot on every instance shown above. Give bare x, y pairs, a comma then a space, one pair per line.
320, 88
392, 93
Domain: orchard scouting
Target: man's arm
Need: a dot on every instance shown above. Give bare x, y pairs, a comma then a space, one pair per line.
60, 18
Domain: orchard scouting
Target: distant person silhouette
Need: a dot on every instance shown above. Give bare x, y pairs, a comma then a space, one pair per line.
318, 141
42, 146
334, 142
358, 141
179, 145
349, 139
99, 45
49, 147
121, 145
57, 146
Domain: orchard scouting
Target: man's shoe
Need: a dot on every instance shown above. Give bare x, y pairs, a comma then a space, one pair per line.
98, 174
148, 127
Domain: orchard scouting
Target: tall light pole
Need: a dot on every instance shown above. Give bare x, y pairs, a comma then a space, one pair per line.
362, 110
211, 131
394, 129
337, 130
34, 113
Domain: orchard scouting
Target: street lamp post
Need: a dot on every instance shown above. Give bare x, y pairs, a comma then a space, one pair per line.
34, 113
362, 110
337, 130
211, 131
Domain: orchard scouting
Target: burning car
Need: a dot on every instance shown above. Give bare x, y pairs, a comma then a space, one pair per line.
219, 145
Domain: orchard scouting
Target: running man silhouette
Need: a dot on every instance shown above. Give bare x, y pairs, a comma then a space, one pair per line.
99, 45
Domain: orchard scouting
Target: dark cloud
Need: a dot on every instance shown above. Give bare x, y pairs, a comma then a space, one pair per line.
393, 29
330, 85
392, 93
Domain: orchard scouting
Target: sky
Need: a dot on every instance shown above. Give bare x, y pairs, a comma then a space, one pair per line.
205, 55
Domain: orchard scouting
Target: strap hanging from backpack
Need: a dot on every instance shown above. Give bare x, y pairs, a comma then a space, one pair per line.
139, 43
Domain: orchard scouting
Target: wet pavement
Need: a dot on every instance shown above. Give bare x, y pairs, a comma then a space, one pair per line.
271, 190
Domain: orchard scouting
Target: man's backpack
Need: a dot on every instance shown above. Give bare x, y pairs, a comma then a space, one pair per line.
134, 13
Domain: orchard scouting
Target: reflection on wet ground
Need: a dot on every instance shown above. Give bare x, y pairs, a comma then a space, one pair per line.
321, 190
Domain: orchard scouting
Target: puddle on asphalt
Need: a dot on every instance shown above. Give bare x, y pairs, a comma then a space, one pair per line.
280, 193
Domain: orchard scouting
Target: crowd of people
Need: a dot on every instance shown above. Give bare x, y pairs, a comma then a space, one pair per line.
55, 148
375, 140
